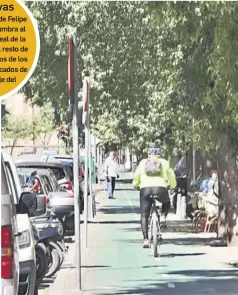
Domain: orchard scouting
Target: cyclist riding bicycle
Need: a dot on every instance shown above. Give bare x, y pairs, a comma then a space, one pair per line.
152, 177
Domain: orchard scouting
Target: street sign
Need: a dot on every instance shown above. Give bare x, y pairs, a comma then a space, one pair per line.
73, 101
70, 65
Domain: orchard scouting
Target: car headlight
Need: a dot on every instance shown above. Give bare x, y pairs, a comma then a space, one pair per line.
24, 239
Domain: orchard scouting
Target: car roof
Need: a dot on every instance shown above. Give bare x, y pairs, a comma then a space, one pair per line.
30, 170
38, 164
63, 157
6, 156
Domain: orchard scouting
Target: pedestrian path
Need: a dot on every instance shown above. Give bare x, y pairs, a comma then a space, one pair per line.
116, 263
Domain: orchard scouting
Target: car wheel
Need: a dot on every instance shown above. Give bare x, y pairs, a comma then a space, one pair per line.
41, 262
54, 259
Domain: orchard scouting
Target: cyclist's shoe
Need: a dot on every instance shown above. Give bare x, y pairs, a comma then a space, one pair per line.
146, 244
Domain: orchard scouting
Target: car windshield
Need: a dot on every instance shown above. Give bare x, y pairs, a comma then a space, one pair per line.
70, 172
58, 172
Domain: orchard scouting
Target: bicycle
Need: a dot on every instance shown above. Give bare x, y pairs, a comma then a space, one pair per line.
154, 226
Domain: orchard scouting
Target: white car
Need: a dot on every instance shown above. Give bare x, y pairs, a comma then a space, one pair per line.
27, 258
9, 238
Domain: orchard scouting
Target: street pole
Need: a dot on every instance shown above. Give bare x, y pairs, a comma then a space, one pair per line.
90, 213
73, 91
95, 149
33, 129
86, 160
194, 159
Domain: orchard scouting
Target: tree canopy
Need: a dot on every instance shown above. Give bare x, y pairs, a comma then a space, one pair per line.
158, 70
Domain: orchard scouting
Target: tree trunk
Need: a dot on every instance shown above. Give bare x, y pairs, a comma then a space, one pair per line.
13, 145
228, 197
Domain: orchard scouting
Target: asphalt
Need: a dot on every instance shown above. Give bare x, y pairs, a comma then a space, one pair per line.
115, 262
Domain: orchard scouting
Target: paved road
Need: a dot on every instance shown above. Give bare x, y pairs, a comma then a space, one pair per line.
115, 262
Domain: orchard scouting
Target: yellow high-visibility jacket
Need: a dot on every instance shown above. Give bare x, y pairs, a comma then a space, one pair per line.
167, 177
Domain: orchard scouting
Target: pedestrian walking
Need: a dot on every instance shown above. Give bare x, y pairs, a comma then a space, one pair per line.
111, 173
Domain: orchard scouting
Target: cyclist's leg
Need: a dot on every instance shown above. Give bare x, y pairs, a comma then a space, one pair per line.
163, 197
165, 210
145, 205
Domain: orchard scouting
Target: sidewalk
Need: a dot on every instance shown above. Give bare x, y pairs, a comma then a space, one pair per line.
115, 263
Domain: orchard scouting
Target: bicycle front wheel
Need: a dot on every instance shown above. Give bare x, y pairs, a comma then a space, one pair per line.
155, 234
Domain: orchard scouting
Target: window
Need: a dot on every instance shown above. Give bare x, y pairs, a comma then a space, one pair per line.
47, 183
11, 182
59, 173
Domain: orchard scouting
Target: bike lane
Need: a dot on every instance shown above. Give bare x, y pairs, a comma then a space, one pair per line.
122, 266
115, 262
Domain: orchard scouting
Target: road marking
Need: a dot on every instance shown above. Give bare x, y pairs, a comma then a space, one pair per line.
165, 275
171, 285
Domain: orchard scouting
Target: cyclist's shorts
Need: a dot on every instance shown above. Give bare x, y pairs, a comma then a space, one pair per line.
161, 193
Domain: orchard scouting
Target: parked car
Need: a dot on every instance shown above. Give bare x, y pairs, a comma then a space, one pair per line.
57, 168
60, 202
16, 235
48, 228
67, 162
27, 255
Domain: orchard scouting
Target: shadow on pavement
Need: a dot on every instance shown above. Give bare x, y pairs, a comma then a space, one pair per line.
124, 189
46, 283
119, 210
85, 266
181, 254
115, 221
189, 241
206, 282
124, 181
132, 229
176, 241
212, 273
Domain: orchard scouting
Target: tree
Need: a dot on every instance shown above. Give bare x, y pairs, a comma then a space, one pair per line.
43, 125
4, 114
158, 71
208, 74
16, 128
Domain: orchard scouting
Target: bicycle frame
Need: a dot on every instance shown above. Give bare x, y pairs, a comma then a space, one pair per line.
154, 227
154, 211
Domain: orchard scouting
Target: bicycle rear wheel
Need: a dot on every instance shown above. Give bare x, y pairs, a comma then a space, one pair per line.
155, 234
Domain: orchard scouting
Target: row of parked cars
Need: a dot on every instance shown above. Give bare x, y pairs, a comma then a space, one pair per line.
37, 212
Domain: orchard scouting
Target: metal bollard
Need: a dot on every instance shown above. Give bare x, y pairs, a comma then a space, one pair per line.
178, 211
183, 214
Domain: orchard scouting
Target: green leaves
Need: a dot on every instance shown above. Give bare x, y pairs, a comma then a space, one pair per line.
15, 129
150, 67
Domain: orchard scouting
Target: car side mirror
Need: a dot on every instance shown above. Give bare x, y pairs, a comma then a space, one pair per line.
27, 203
